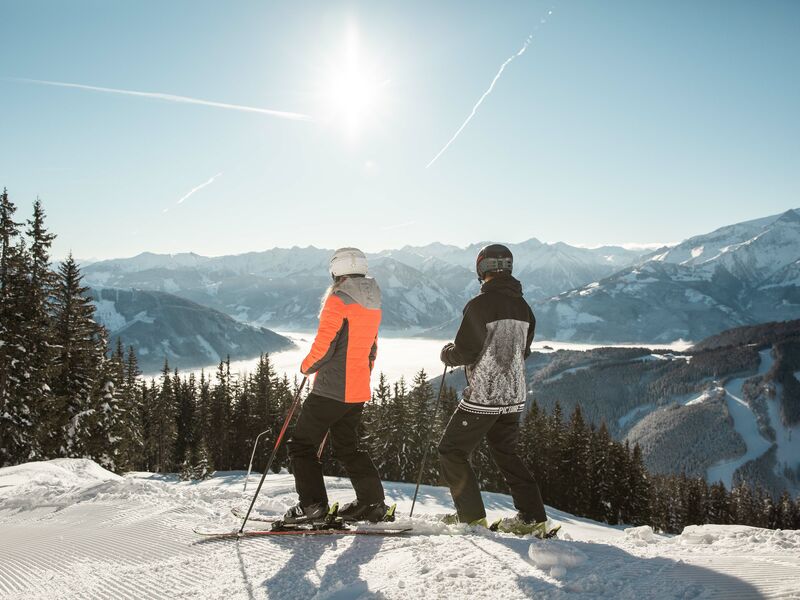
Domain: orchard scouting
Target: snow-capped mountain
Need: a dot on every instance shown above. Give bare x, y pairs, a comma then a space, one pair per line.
423, 287
160, 325
738, 275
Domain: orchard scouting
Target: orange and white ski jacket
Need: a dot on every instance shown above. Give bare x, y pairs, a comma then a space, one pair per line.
344, 351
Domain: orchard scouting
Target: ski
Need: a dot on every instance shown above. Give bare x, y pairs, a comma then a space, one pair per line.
223, 535
240, 514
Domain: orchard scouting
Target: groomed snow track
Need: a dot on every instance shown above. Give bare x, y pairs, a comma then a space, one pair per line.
79, 535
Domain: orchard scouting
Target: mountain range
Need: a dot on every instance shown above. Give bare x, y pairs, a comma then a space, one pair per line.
741, 274
163, 326
423, 287
738, 275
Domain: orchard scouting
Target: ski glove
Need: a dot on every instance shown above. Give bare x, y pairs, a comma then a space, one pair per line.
444, 356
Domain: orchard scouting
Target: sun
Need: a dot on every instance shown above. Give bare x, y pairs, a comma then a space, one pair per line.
353, 88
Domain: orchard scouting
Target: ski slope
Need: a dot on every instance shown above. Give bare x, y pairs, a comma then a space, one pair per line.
69, 529
787, 438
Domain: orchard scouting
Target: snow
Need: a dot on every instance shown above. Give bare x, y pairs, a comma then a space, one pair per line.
569, 314
704, 396
169, 285
207, 348
74, 530
106, 312
635, 414
746, 425
569, 371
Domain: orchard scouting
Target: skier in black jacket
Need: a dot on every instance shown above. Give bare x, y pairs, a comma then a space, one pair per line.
493, 342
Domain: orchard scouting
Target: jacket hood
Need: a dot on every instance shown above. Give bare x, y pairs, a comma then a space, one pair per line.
503, 284
363, 290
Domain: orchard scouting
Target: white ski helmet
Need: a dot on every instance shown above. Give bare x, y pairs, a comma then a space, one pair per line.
348, 261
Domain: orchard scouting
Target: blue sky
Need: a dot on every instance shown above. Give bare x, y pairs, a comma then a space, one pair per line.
623, 122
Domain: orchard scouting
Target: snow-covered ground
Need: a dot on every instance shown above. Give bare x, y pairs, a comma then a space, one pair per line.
69, 529
787, 439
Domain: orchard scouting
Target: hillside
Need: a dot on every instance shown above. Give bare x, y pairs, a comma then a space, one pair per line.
728, 408
742, 274
73, 530
160, 325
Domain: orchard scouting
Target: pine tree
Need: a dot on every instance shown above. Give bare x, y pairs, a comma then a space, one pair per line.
131, 400
184, 425
77, 368
221, 400
575, 465
391, 452
203, 422
600, 475
696, 498
718, 509
743, 508
18, 410
786, 512
420, 402
555, 449
163, 428
108, 429
640, 490
39, 309
243, 424
149, 417
533, 444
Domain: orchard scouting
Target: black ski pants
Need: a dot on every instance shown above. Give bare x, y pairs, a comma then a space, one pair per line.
463, 434
318, 416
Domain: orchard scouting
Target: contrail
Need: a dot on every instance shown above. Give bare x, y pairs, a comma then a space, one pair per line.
195, 189
199, 187
486, 93
180, 99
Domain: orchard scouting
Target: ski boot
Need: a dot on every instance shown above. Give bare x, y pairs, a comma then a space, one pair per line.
374, 513
315, 516
305, 514
453, 519
521, 525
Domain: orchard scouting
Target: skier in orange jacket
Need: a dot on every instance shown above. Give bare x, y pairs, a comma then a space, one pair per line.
341, 357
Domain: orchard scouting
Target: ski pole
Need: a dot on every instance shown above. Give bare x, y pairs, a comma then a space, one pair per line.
428, 443
250, 466
322, 445
278, 441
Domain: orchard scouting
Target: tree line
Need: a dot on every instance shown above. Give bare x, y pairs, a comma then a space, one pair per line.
64, 394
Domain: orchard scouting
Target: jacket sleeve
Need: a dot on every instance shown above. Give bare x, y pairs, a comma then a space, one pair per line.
373, 353
469, 339
531, 330
330, 325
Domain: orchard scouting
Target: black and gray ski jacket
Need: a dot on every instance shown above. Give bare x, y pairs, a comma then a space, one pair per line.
493, 341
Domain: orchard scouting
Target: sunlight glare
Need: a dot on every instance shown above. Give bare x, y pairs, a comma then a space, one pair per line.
352, 90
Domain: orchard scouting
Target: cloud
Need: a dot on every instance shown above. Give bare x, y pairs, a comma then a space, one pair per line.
520, 52
179, 99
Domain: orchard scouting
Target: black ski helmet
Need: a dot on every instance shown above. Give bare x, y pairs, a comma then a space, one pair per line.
494, 258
